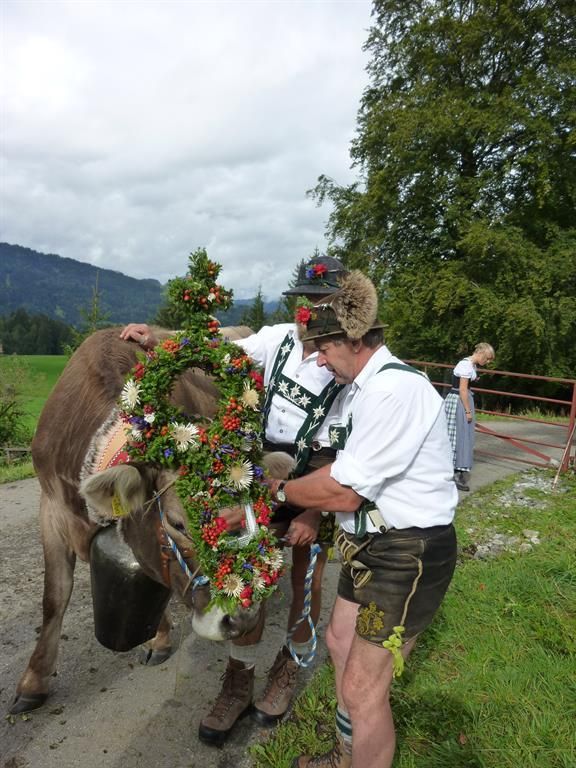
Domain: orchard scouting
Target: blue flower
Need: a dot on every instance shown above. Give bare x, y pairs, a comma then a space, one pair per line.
168, 452
248, 567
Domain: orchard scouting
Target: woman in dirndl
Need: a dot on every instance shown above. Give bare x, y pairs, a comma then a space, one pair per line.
459, 405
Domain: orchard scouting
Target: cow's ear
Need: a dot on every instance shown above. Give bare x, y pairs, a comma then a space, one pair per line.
113, 493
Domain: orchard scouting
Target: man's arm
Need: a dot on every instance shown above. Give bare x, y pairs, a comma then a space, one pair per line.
319, 491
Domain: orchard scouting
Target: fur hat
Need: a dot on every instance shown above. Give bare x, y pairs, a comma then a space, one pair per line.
320, 276
352, 311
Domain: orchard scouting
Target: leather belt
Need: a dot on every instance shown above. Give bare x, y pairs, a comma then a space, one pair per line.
317, 448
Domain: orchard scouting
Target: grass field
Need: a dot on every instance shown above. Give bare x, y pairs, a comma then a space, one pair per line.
492, 683
41, 372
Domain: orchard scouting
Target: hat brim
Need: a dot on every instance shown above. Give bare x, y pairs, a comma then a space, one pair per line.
311, 290
337, 332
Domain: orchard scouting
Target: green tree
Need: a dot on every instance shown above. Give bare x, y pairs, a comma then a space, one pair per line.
255, 316
467, 179
25, 334
93, 319
14, 373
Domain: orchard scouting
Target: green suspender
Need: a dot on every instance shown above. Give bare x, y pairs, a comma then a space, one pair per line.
316, 411
279, 363
362, 511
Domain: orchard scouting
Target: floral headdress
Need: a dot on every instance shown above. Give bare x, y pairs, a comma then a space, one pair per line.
219, 461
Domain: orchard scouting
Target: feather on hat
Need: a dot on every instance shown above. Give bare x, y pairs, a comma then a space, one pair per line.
352, 311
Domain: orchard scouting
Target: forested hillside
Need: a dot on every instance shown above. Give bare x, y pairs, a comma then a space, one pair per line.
60, 288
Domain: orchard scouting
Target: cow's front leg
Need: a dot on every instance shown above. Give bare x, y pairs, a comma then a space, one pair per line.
160, 647
59, 562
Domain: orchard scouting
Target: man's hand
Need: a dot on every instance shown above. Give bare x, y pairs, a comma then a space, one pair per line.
304, 528
234, 517
141, 333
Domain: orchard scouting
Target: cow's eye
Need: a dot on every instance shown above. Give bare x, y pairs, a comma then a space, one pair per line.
178, 526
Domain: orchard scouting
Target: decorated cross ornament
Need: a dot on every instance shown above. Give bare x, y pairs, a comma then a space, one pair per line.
218, 461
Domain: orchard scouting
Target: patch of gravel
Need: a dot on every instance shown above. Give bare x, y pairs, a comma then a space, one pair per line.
494, 543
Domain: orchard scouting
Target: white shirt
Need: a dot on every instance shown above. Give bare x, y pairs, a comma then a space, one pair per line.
466, 369
398, 454
285, 418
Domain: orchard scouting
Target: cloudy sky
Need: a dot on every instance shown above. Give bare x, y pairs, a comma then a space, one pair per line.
134, 131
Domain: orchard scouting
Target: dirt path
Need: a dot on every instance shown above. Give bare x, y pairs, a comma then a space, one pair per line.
106, 710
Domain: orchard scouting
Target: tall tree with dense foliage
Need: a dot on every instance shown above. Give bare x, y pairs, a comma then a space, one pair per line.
255, 316
464, 208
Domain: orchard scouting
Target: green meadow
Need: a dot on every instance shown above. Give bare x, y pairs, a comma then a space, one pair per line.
41, 372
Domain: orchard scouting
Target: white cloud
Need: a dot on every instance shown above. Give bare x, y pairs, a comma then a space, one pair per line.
134, 131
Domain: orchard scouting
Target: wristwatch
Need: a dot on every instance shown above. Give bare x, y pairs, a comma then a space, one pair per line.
280, 492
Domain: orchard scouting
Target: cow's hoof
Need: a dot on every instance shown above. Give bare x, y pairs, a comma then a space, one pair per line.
27, 702
152, 658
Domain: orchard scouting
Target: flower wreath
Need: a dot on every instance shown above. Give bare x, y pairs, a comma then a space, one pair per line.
218, 461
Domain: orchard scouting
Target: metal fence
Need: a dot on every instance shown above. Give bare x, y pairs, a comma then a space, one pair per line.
507, 402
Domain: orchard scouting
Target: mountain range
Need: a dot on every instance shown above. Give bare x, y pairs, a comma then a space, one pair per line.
63, 288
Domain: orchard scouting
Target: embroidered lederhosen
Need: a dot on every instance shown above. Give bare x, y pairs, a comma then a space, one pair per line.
315, 406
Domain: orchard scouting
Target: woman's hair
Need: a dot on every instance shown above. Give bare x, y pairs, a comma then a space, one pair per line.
485, 347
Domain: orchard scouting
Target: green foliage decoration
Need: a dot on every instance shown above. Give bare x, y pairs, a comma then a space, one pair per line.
218, 462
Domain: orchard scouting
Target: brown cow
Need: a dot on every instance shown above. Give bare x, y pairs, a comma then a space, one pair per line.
80, 404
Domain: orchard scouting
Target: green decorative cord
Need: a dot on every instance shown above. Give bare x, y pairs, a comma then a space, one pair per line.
394, 644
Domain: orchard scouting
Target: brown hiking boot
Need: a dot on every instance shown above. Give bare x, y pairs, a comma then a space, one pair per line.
279, 690
338, 757
233, 702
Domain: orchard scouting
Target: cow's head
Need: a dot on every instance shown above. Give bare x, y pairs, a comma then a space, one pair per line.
129, 488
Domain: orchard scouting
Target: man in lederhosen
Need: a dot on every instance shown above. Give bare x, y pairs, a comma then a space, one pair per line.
392, 489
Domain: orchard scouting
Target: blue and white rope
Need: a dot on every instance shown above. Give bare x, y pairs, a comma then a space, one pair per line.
306, 659
196, 581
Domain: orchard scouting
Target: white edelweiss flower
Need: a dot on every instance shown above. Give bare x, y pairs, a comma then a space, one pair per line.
258, 583
246, 444
250, 397
130, 396
216, 483
232, 585
241, 475
226, 359
274, 559
150, 417
136, 433
211, 296
185, 435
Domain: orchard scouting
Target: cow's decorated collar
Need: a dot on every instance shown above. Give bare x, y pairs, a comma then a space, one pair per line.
219, 461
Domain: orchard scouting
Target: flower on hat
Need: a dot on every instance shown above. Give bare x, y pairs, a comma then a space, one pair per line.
316, 270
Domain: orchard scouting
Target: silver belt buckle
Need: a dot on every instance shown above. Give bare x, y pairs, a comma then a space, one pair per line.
316, 445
